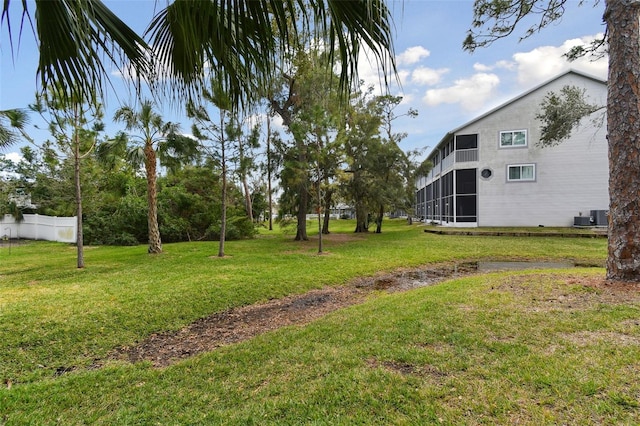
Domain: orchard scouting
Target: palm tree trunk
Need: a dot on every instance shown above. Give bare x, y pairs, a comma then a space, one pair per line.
623, 126
155, 244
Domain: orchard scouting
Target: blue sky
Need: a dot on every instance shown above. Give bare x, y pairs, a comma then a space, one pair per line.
447, 85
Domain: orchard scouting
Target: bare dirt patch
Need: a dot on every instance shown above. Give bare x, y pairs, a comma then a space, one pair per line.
406, 369
585, 338
239, 324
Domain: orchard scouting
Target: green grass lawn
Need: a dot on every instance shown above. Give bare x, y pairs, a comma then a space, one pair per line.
530, 347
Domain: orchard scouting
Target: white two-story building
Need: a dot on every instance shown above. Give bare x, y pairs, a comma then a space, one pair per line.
492, 171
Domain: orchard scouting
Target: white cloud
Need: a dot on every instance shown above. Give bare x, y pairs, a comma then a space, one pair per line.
412, 55
370, 72
546, 62
277, 125
408, 100
427, 76
470, 93
507, 65
16, 157
482, 67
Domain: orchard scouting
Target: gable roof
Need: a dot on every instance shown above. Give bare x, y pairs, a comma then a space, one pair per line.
447, 137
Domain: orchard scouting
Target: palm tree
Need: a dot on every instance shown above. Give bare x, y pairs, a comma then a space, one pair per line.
153, 133
240, 42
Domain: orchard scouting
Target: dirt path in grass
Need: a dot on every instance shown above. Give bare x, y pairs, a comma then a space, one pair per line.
239, 324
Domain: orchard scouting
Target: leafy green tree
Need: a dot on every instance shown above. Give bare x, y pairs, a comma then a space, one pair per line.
120, 205
309, 107
623, 107
330, 160
294, 176
361, 137
324, 152
39, 173
48, 179
259, 200
154, 134
190, 205
75, 124
391, 163
246, 164
225, 136
315, 127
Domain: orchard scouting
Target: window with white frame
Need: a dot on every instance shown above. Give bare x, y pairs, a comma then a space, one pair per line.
513, 138
521, 172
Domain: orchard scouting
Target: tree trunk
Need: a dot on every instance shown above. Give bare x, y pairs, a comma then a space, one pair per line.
248, 205
155, 244
362, 217
301, 227
78, 188
223, 218
319, 233
247, 198
379, 219
623, 126
303, 196
327, 208
269, 173
319, 199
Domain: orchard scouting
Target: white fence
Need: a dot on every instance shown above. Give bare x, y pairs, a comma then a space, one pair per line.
39, 227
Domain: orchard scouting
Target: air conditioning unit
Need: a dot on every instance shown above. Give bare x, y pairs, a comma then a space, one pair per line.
599, 217
582, 221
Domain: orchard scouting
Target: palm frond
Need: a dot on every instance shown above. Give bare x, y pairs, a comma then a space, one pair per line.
111, 151
240, 43
12, 124
136, 156
77, 38
354, 24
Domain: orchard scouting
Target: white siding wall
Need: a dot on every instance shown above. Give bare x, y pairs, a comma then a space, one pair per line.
570, 178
